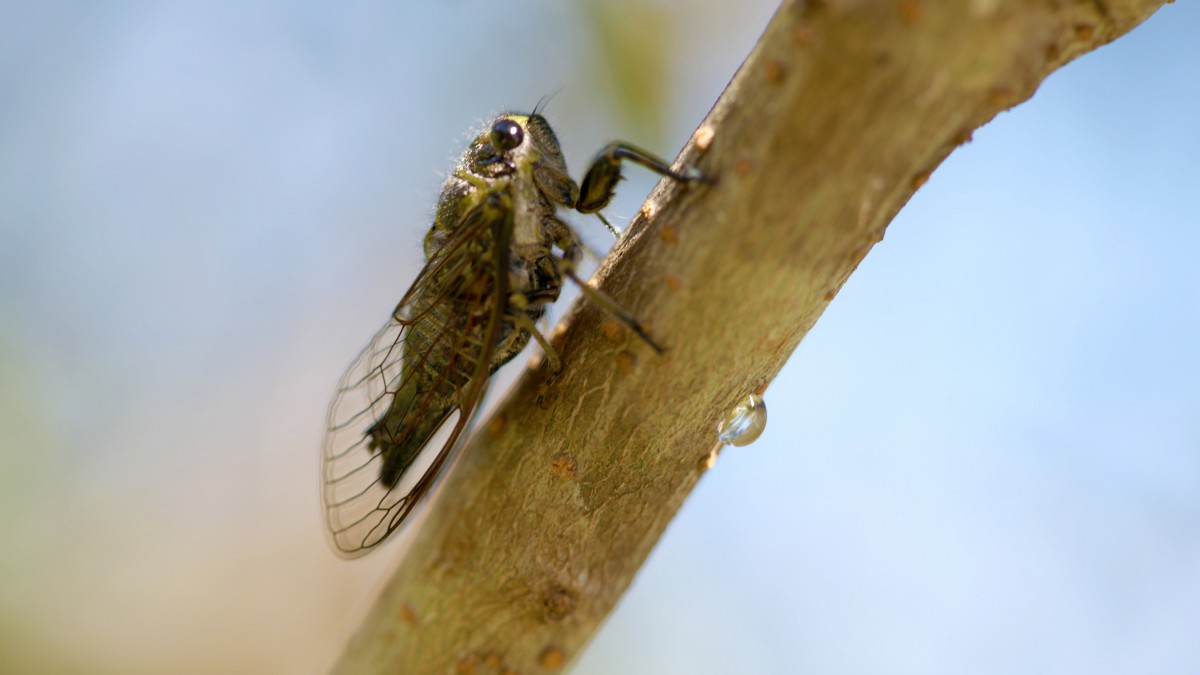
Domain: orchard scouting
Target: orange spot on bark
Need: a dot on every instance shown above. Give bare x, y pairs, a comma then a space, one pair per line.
467, 665
919, 180
613, 331
408, 614
774, 71
1002, 97
552, 657
648, 211
910, 11
563, 465
559, 603
802, 34
496, 426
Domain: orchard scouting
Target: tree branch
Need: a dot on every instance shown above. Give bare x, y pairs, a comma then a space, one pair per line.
839, 114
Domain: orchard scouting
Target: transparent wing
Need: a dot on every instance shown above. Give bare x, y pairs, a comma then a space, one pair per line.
448, 337
360, 509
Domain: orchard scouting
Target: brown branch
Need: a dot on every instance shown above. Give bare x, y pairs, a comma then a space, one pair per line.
840, 113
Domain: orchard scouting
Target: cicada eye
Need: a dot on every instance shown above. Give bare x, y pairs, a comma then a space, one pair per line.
506, 135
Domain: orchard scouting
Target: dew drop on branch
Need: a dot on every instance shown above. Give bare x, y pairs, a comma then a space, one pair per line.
745, 423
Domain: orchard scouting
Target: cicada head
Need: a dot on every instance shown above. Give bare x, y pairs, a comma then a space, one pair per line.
523, 147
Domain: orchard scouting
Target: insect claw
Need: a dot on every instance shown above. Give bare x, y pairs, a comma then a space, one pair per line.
616, 231
691, 175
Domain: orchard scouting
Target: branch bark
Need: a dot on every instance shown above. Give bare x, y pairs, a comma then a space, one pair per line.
839, 114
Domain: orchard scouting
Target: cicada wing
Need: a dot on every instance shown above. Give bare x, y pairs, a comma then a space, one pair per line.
361, 507
357, 503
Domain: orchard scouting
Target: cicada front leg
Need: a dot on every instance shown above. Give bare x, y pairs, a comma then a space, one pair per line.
600, 181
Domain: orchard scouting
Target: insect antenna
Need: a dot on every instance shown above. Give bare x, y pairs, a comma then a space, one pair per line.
544, 101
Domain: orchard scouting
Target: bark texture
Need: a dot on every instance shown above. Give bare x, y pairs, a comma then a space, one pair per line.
839, 114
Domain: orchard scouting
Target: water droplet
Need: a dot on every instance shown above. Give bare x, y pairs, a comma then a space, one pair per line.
745, 423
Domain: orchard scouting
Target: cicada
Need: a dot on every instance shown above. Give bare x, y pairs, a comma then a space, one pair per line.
495, 257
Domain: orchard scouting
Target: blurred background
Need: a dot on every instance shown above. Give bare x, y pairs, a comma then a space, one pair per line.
985, 458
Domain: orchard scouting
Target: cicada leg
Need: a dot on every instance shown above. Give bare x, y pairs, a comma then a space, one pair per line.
600, 181
568, 242
609, 305
522, 320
